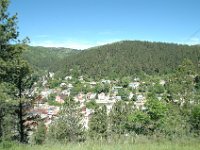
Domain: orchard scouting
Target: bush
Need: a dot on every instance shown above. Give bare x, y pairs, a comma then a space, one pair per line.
138, 122
6, 144
40, 134
195, 119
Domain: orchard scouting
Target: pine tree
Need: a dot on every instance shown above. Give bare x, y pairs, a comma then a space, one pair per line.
5, 113
13, 69
68, 127
156, 111
7, 33
119, 118
98, 124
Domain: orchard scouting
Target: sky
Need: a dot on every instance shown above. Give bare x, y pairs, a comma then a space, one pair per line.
81, 24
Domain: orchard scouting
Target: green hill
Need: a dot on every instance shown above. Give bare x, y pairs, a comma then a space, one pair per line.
45, 58
130, 57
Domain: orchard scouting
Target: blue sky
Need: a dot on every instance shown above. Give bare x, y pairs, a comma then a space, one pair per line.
86, 23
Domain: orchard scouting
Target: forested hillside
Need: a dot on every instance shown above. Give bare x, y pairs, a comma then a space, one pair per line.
130, 57
44, 58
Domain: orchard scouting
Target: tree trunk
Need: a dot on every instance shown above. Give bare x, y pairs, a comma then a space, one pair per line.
2, 115
21, 126
20, 112
1, 128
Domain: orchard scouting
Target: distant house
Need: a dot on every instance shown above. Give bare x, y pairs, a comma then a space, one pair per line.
66, 92
41, 112
137, 79
60, 99
81, 78
140, 103
102, 96
51, 74
63, 85
86, 117
130, 95
90, 96
114, 92
107, 102
140, 98
159, 98
134, 85
162, 82
116, 87
119, 98
176, 100
53, 110
68, 77
80, 98
44, 82
45, 93
70, 86
93, 83
105, 81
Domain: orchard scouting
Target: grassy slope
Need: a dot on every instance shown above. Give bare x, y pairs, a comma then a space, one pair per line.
142, 145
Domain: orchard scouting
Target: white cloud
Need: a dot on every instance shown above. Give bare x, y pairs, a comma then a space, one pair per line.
107, 41
193, 41
67, 44
72, 44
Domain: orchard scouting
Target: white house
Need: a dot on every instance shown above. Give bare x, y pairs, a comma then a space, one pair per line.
162, 82
59, 99
66, 92
105, 81
137, 79
116, 87
134, 85
140, 98
51, 74
80, 98
70, 86
63, 84
81, 78
108, 103
68, 77
91, 96
130, 95
46, 93
93, 83
140, 102
87, 114
119, 98
102, 96
44, 82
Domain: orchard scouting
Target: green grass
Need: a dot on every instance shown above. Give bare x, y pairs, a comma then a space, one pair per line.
142, 144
